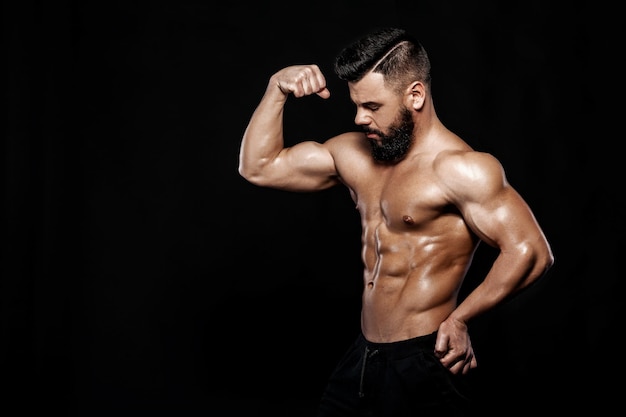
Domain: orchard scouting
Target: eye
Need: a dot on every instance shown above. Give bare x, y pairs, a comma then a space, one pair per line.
372, 107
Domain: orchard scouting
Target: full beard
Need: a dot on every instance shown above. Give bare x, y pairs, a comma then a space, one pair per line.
394, 146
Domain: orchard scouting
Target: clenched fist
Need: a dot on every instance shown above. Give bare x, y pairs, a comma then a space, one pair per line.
301, 80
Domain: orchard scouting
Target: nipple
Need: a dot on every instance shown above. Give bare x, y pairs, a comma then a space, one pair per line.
408, 219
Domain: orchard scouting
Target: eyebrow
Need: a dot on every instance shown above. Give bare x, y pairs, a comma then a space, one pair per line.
369, 104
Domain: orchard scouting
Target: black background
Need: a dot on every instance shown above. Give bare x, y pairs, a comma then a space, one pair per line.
142, 274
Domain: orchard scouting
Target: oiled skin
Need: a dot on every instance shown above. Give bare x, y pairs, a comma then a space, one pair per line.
422, 217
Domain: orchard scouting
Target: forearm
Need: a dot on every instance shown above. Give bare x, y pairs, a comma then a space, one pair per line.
263, 138
510, 273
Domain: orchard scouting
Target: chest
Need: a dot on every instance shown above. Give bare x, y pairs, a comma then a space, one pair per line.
401, 198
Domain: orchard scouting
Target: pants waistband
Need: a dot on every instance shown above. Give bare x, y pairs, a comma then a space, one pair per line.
402, 348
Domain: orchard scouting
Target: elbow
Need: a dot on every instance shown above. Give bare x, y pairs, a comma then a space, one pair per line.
545, 259
541, 267
537, 261
248, 171
249, 175
549, 262
257, 171
244, 172
253, 176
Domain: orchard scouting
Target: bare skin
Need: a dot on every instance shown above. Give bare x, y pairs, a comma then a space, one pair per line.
422, 217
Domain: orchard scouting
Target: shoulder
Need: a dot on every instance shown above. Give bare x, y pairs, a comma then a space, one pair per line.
468, 173
346, 139
351, 155
347, 144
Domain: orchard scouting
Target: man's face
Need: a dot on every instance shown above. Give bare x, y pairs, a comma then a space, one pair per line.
383, 117
393, 146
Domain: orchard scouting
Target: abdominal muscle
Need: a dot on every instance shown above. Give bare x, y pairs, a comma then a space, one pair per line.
411, 281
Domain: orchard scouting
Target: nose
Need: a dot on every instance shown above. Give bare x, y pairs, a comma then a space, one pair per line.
361, 119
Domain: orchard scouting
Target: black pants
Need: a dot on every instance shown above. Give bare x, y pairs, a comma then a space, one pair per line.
396, 379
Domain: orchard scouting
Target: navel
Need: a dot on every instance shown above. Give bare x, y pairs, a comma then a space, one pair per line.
408, 219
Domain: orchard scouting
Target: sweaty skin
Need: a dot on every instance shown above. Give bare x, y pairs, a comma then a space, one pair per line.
422, 217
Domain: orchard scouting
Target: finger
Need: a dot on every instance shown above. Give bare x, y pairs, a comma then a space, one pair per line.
308, 86
324, 93
456, 368
450, 361
317, 84
468, 363
299, 89
441, 346
464, 367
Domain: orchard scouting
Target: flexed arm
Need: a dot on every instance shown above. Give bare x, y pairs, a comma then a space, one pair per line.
263, 159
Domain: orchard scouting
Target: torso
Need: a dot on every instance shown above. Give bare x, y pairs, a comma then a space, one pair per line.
416, 248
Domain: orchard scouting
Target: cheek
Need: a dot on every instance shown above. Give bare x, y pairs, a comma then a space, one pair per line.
386, 123
385, 120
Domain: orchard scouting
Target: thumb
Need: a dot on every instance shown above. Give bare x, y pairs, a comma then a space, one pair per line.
324, 93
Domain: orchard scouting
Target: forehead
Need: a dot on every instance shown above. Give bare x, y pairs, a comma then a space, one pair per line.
370, 88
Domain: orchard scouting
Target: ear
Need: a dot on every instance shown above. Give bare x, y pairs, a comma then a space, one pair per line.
416, 95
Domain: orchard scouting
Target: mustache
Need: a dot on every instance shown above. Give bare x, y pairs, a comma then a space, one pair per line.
367, 129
